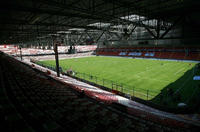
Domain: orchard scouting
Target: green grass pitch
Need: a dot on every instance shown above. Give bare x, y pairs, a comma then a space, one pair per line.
138, 77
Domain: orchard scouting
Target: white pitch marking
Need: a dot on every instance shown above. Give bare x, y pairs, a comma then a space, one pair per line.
179, 71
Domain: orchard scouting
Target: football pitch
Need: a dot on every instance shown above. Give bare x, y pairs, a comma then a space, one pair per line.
144, 78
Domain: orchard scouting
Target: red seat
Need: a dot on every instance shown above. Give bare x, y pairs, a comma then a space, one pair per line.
169, 53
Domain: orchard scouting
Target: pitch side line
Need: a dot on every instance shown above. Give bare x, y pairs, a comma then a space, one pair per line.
179, 71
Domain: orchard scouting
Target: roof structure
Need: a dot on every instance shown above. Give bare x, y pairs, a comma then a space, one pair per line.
22, 20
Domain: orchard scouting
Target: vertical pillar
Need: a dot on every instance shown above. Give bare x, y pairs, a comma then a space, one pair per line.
158, 29
57, 59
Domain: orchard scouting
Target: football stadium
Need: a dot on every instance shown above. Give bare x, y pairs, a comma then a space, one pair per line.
100, 65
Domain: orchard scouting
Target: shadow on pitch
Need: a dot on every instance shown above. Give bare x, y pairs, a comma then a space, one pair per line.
181, 94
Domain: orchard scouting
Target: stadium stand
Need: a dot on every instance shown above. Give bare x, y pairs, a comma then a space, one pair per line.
32, 101
9, 49
13, 50
181, 53
62, 56
79, 96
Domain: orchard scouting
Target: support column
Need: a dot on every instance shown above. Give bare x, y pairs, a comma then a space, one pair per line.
57, 59
158, 29
158, 32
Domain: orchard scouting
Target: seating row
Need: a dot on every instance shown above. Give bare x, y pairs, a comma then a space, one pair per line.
154, 52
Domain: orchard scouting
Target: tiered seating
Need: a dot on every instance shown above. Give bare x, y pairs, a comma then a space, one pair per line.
9, 49
153, 52
178, 55
193, 56
39, 103
10, 118
166, 55
13, 50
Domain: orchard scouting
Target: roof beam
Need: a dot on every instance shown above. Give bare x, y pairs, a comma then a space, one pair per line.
45, 11
171, 27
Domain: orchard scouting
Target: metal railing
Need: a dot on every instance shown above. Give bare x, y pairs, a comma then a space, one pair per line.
157, 99
121, 88
113, 86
